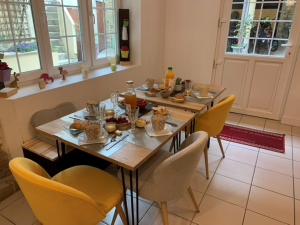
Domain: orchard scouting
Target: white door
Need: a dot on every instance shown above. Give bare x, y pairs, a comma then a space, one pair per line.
255, 53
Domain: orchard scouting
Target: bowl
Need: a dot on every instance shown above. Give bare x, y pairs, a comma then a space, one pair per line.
165, 94
141, 123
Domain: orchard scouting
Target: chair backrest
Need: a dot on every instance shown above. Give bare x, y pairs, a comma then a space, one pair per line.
214, 119
47, 115
54, 203
173, 176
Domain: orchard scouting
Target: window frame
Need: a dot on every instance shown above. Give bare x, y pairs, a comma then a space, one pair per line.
87, 42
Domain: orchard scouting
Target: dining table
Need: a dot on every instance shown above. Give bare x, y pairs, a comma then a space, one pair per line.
132, 149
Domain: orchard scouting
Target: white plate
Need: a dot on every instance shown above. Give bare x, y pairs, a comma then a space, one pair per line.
83, 140
198, 96
166, 131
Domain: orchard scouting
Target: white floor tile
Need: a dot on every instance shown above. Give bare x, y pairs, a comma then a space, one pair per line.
233, 118
297, 188
143, 208
215, 149
236, 170
11, 199
274, 181
274, 163
241, 154
288, 140
199, 182
19, 212
277, 127
252, 122
272, 205
229, 190
153, 217
287, 155
296, 154
4, 221
252, 218
216, 212
297, 169
297, 212
244, 146
184, 207
213, 162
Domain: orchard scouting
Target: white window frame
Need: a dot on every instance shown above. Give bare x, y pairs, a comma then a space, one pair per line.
44, 46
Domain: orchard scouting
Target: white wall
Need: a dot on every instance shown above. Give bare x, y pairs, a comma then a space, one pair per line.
190, 37
292, 108
147, 14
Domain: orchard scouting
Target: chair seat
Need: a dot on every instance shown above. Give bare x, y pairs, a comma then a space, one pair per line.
146, 170
103, 188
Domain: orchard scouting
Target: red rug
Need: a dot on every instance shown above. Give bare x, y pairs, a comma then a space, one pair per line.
256, 138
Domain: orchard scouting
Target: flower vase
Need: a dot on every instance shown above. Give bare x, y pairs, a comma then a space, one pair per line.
5, 75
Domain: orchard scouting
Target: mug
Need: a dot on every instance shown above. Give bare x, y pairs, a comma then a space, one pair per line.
203, 91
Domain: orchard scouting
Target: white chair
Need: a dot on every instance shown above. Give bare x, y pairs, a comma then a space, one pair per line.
166, 177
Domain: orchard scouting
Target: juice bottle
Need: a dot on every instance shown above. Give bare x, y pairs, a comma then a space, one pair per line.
170, 76
130, 95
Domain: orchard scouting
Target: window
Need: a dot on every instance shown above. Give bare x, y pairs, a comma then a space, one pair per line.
260, 27
17, 36
39, 36
63, 19
105, 31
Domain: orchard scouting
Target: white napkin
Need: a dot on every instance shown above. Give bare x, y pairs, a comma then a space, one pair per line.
166, 131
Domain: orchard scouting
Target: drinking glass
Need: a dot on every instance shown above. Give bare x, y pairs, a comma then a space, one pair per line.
102, 108
133, 115
188, 87
114, 98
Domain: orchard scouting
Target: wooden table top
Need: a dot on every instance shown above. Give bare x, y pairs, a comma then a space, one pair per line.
129, 153
191, 103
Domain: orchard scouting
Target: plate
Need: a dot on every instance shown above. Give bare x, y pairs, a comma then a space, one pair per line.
166, 131
198, 96
83, 140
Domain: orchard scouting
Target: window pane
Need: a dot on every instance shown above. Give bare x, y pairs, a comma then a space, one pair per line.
277, 48
64, 26
17, 36
100, 46
287, 10
109, 4
231, 42
99, 12
262, 46
59, 51
75, 52
110, 21
265, 29
111, 45
55, 19
10, 57
233, 28
283, 30
237, 11
28, 55
269, 11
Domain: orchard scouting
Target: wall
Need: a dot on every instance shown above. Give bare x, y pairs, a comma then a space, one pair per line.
190, 37
291, 113
147, 37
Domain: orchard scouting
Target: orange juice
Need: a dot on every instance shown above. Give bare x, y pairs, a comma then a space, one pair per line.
170, 76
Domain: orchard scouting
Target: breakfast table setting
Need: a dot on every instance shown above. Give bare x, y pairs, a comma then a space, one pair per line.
130, 127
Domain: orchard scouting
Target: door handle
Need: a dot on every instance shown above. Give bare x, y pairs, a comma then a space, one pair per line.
288, 45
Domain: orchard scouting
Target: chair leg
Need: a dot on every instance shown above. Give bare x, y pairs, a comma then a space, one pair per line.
122, 214
193, 199
164, 212
221, 146
206, 162
114, 217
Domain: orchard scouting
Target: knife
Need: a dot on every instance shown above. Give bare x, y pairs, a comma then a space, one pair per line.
115, 143
172, 124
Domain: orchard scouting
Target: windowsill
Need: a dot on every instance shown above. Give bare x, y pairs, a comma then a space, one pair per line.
34, 89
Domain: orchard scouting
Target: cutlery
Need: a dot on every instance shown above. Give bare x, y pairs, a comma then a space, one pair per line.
121, 139
172, 124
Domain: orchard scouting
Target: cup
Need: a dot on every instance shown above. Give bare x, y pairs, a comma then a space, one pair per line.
203, 91
92, 108
158, 122
133, 115
93, 130
149, 83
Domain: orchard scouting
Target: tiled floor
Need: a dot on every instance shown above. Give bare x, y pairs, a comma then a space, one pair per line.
250, 186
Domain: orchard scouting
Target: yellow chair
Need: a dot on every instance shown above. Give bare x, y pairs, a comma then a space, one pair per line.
213, 122
80, 195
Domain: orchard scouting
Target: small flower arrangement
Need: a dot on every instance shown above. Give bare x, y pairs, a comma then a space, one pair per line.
5, 72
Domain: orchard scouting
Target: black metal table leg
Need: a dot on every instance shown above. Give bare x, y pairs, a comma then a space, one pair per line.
172, 144
137, 195
124, 192
131, 197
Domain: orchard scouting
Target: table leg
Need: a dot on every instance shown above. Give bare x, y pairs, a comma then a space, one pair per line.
58, 148
172, 144
137, 195
124, 192
131, 197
